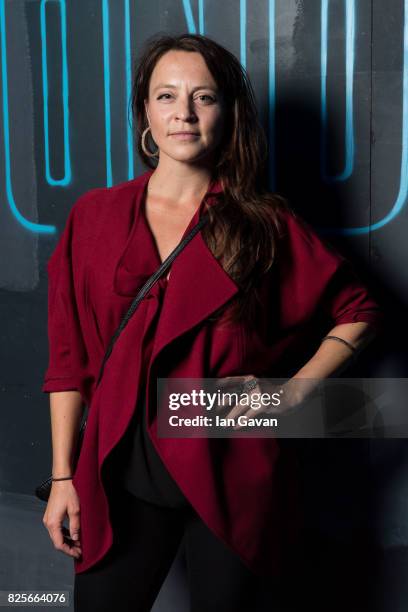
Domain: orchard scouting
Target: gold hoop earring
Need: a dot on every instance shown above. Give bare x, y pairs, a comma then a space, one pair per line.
144, 147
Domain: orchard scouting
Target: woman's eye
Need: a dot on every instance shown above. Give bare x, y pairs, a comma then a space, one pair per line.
202, 96
207, 96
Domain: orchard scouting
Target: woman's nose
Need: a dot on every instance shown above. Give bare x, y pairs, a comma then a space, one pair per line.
185, 110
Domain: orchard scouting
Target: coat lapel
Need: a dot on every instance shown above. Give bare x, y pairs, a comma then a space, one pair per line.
198, 284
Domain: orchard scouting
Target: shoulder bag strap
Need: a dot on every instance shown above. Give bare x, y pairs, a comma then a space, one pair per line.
148, 285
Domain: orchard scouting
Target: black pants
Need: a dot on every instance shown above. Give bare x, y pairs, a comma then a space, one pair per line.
146, 539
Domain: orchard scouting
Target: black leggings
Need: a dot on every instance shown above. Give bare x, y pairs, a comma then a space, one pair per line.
146, 539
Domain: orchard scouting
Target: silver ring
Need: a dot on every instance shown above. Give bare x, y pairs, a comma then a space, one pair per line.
250, 384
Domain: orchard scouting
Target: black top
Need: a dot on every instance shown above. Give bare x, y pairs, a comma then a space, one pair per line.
141, 470
144, 473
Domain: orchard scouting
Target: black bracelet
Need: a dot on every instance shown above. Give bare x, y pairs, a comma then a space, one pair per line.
353, 348
64, 478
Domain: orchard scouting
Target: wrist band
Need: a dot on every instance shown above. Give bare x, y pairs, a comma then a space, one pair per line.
351, 347
64, 478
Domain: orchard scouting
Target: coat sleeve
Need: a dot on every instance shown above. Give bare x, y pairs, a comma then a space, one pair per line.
347, 299
322, 282
68, 360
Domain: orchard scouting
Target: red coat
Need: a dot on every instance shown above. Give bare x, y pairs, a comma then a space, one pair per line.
251, 499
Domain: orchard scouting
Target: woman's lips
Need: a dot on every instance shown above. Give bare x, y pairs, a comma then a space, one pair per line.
184, 136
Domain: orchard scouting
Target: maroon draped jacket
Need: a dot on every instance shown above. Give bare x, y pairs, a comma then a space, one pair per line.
244, 489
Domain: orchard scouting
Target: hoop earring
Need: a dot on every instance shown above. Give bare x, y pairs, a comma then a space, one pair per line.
144, 147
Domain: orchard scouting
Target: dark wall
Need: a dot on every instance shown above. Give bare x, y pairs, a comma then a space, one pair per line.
331, 86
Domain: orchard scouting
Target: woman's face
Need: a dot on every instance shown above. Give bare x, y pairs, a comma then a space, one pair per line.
183, 96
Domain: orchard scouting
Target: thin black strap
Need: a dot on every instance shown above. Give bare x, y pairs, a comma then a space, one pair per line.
148, 285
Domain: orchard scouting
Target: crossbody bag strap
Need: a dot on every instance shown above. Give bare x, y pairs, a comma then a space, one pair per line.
148, 285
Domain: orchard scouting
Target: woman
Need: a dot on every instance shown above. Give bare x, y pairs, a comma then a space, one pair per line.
253, 294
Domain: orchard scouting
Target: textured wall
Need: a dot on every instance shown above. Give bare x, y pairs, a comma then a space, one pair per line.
330, 79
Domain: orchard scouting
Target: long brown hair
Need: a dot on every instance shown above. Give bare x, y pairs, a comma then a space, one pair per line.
244, 225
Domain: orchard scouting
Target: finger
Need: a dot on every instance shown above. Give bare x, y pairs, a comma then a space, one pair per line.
267, 412
236, 412
250, 414
227, 400
72, 550
67, 534
230, 394
242, 408
239, 409
74, 547
74, 526
57, 538
246, 414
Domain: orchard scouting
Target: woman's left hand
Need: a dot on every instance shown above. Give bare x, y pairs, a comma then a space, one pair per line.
284, 398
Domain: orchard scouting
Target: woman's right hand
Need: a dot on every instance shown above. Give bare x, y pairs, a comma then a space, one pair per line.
64, 501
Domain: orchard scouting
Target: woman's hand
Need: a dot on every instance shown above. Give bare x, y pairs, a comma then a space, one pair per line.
64, 501
285, 397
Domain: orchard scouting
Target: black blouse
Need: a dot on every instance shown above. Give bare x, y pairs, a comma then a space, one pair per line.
141, 470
